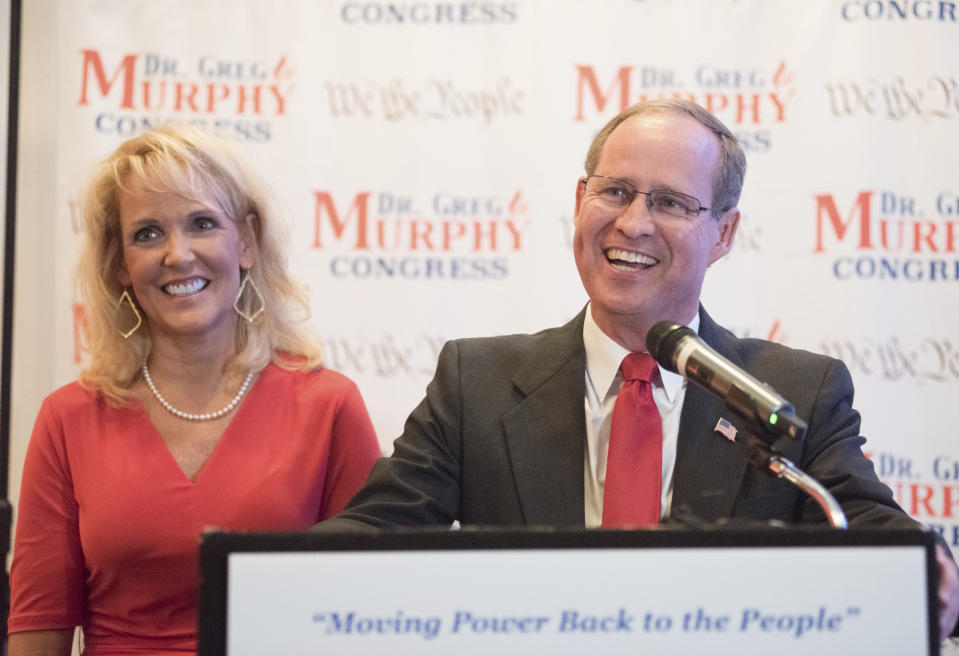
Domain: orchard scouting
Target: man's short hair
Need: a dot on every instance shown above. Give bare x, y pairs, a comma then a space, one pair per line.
728, 178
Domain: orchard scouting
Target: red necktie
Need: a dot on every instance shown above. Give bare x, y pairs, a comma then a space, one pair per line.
634, 465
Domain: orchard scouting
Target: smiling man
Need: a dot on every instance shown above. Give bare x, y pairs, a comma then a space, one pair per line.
643, 262
556, 429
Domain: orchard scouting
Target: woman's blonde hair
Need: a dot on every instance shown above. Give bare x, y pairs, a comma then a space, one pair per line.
191, 163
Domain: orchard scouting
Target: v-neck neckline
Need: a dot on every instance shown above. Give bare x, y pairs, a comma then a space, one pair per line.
248, 400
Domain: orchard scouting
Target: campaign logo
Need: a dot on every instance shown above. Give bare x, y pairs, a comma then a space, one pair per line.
898, 10
888, 236
428, 13
929, 98
930, 495
433, 99
387, 236
236, 99
751, 102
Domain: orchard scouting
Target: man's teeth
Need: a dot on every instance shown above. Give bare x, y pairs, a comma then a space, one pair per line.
627, 256
191, 287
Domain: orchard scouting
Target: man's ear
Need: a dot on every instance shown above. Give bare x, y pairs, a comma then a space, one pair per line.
248, 228
728, 224
580, 190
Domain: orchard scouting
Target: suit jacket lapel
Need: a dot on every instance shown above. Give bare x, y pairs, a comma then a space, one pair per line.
546, 430
709, 468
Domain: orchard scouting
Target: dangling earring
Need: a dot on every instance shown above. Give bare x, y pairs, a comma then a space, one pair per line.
258, 299
125, 297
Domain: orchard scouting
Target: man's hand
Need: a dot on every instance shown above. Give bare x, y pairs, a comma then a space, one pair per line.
948, 592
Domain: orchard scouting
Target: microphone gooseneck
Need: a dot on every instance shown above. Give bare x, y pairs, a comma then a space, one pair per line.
679, 349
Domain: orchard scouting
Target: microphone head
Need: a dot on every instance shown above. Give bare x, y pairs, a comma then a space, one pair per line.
662, 340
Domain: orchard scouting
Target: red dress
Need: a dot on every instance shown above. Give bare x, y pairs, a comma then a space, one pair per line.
108, 524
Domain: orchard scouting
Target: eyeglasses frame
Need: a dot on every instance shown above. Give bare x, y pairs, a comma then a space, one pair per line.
649, 205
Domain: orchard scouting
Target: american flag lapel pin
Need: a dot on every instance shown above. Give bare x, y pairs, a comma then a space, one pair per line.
726, 429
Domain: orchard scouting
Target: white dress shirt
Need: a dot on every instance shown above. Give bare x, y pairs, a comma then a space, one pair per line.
603, 380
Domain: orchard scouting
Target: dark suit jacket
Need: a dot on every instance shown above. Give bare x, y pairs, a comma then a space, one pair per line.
500, 439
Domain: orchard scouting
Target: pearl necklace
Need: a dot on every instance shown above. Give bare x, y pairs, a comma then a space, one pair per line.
192, 417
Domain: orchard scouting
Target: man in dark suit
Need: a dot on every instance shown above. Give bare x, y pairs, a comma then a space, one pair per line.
515, 430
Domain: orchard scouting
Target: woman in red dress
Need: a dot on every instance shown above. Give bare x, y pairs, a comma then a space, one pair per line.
203, 405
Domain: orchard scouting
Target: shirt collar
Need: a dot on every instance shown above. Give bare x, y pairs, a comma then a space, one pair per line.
603, 357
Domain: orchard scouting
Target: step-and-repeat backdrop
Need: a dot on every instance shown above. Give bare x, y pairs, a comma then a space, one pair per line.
427, 154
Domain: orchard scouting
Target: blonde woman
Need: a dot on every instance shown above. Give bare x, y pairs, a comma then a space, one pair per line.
203, 404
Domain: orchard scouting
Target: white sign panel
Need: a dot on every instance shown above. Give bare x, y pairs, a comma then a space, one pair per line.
806, 600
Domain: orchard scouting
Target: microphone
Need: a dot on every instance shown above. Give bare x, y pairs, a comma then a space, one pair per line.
681, 350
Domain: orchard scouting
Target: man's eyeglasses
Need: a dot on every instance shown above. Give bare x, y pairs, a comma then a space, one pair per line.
616, 195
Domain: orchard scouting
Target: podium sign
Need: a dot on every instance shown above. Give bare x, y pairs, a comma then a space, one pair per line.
783, 591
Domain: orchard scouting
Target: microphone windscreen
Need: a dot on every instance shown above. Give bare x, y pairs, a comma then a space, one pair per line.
662, 340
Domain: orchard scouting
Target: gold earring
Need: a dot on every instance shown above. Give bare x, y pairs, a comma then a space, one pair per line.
258, 299
125, 296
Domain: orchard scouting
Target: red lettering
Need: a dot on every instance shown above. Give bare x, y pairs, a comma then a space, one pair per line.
825, 204
781, 77
587, 78
919, 238
147, 86
212, 97
280, 98
381, 234
478, 234
949, 501
742, 106
185, 93
517, 233
91, 60
251, 95
517, 205
884, 236
416, 234
452, 231
324, 206
777, 335
924, 501
780, 106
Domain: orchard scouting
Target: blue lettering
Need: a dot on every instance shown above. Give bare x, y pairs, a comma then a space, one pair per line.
947, 205
466, 621
909, 266
865, 267
886, 269
945, 469
571, 621
940, 266
839, 264
899, 10
338, 625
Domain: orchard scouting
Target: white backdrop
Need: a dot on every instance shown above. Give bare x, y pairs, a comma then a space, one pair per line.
428, 153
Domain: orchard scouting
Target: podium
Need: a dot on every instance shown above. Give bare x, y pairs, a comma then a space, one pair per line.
504, 591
